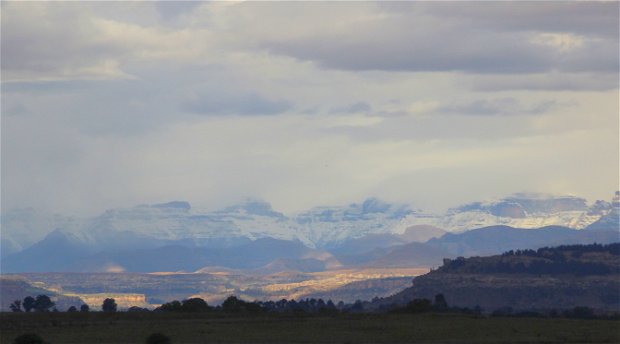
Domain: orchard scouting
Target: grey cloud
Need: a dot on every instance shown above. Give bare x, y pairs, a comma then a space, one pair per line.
456, 51
170, 10
36, 46
545, 82
426, 39
578, 17
498, 107
238, 104
359, 107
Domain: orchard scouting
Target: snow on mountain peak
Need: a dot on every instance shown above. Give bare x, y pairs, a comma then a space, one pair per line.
323, 226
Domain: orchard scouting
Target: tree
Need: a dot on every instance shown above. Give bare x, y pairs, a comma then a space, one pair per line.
16, 306
84, 308
172, 306
109, 305
43, 303
72, 309
195, 305
28, 303
440, 302
233, 304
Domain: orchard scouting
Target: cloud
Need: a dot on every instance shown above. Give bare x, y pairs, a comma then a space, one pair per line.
427, 39
116, 104
36, 48
498, 107
237, 104
358, 107
577, 17
544, 82
65, 41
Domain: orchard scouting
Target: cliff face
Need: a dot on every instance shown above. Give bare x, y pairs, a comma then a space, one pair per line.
123, 301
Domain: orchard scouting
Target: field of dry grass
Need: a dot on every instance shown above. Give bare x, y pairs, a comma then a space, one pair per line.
291, 328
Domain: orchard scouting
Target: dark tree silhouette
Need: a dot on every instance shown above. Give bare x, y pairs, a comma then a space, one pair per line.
29, 338
72, 309
84, 308
158, 338
43, 303
16, 306
420, 306
172, 306
194, 305
28, 303
233, 304
109, 305
440, 302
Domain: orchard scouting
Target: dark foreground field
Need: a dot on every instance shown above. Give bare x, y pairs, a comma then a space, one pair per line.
279, 328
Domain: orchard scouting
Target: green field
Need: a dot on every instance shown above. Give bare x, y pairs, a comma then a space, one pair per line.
287, 328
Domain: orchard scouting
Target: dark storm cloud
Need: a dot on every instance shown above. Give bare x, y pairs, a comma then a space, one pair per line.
238, 104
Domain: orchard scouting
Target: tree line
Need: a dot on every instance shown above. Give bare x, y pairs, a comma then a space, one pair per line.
43, 303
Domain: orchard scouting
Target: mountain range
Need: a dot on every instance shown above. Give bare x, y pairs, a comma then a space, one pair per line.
252, 236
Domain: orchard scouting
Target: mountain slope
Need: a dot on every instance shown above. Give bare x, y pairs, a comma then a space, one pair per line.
252, 255
410, 255
497, 239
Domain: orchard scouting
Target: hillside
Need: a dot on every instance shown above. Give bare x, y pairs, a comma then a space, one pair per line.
497, 239
549, 278
17, 288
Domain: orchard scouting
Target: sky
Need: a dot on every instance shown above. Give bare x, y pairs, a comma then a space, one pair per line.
113, 104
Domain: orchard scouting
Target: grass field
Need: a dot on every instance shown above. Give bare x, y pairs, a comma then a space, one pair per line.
290, 328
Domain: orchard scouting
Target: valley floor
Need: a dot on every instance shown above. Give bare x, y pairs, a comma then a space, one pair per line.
291, 328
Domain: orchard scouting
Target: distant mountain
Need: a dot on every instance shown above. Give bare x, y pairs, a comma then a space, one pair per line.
56, 251
344, 230
329, 227
519, 210
421, 233
410, 255
59, 253
610, 221
22, 228
497, 239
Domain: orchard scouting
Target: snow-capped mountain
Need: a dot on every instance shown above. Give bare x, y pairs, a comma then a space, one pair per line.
519, 211
329, 226
177, 222
149, 226
22, 228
